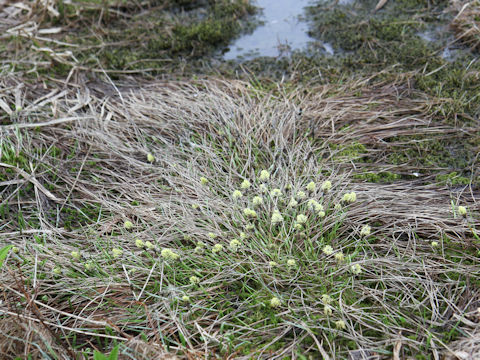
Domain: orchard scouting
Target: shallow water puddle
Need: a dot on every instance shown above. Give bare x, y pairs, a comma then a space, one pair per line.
281, 32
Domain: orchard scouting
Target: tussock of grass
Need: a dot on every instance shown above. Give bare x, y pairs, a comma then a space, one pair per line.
207, 138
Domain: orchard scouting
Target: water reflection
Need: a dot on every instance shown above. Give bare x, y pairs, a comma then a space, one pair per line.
281, 32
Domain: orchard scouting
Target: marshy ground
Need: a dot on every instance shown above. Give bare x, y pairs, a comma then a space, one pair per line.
164, 203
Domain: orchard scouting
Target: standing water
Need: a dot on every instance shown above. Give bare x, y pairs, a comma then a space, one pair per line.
281, 32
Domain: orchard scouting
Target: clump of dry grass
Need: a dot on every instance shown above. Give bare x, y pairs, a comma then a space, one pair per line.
466, 22
78, 169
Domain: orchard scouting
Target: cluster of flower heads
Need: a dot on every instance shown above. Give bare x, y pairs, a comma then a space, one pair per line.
262, 203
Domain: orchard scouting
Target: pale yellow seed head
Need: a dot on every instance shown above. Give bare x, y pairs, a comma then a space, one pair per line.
149, 245
203, 180
186, 298
366, 230
264, 175
301, 219
327, 310
150, 158
462, 210
75, 254
275, 302
217, 248
257, 200
356, 269
340, 257
263, 188
326, 299
301, 195
212, 235
435, 244
276, 217
327, 250
128, 225
235, 244
116, 253
340, 324
194, 280
272, 263
311, 186
57, 270
276, 192
245, 184
291, 262
292, 203
237, 194
326, 185
139, 243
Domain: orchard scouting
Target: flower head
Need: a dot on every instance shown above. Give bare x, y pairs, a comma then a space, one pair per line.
301, 195
217, 248
301, 219
249, 227
462, 210
340, 324
292, 202
89, 266
257, 200
338, 207
149, 245
263, 188
275, 302
75, 254
242, 236
57, 270
203, 180
311, 186
117, 252
128, 225
327, 250
249, 212
327, 310
194, 280
326, 185
264, 175
434, 244
276, 217
366, 229
245, 184
349, 197
315, 205
272, 263
237, 194
340, 257
186, 298
326, 299
356, 269
276, 192
298, 227
150, 158
235, 244
168, 254
321, 213
291, 263
195, 206
212, 235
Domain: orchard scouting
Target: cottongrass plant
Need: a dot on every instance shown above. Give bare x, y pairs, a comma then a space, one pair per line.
232, 276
